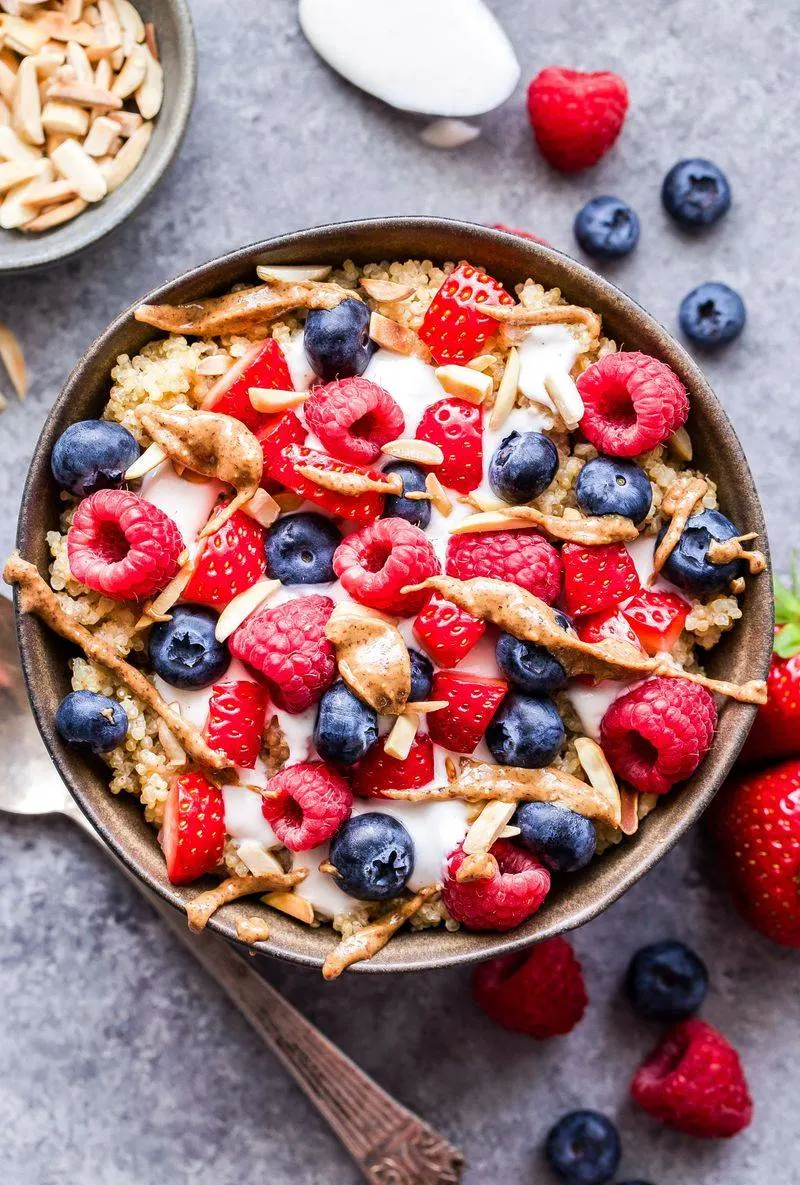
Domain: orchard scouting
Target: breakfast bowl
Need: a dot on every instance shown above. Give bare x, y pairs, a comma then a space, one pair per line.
740, 658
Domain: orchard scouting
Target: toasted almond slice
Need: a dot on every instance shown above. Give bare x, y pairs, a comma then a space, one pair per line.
422, 452
76, 57
471, 385
8, 82
629, 817
13, 211
23, 36
132, 74
507, 391
56, 215
131, 24
264, 399
128, 157
438, 495
491, 520
109, 17
291, 904
399, 741
57, 26
150, 95
563, 391
77, 166
482, 362
14, 360
84, 94
295, 274
509, 833
158, 608
386, 291
50, 64
174, 750
449, 133
129, 121
73, 9
680, 445
16, 172
397, 338
487, 827
262, 508
5, 114
26, 109
152, 456
427, 705
596, 768
240, 608
103, 139
256, 857
104, 76
64, 118
214, 364
91, 14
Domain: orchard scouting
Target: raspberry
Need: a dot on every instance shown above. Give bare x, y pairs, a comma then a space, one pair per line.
658, 733
502, 901
539, 992
263, 366
122, 546
472, 701
520, 557
231, 560
235, 722
447, 632
306, 804
576, 117
597, 578
453, 328
353, 418
457, 428
377, 562
357, 508
377, 771
693, 1081
632, 403
287, 644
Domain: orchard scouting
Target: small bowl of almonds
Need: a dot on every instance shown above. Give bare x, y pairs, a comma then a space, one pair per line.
94, 98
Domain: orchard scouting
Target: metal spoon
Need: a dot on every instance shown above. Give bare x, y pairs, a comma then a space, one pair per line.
387, 1142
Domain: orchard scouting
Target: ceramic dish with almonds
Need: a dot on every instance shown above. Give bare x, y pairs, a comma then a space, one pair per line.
393, 589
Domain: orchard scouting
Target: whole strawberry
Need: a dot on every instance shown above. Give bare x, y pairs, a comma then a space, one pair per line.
539, 992
576, 117
776, 732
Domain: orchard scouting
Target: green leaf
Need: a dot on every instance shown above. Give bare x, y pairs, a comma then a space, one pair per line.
787, 602
787, 641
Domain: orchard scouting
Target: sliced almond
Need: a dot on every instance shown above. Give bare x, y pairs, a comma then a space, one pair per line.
151, 40
84, 94
256, 857
131, 24
128, 157
174, 750
464, 383
420, 451
295, 274
507, 391
56, 25
399, 741
487, 827
14, 360
596, 768
91, 14
16, 172
262, 508
50, 63
421, 706
240, 608
449, 133
386, 291
76, 56
73, 9
158, 609
566, 397
5, 114
109, 17
26, 109
132, 74
64, 118
77, 166
129, 121
103, 75
438, 495
214, 365
264, 399
23, 36
629, 817
150, 95
289, 903
680, 445
13, 211
103, 139
56, 215
509, 833
8, 81
152, 456
397, 338
482, 362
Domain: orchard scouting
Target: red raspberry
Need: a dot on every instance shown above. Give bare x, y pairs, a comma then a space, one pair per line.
502, 901
693, 1081
287, 645
597, 578
377, 771
309, 804
632, 403
520, 557
193, 833
236, 713
376, 563
472, 702
274, 435
447, 632
122, 546
453, 328
658, 733
657, 618
263, 366
354, 418
539, 992
457, 428
231, 560
358, 508
523, 234
576, 117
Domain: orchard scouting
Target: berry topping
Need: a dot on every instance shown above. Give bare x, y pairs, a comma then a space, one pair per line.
337, 341
353, 418
696, 192
472, 702
693, 1081
300, 549
606, 228
529, 666
597, 578
611, 623
776, 732
287, 645
92, 721
657, 619
193, 833
666, 981
562, 840
446, 631
413, 510
231, 560
235, 724
688, 564
583, 1148
610, 485
122, 546
275, 434
184, 651
305, 804
92, 455
263, 366
658, 733
358, 508
454, 328
421, 676
527, 732
632, 403
373, 855
345, 726
576, 117
520, 557
539, 992
378, 771
499, 902
712, 315
457, 428
523, 466
375, 564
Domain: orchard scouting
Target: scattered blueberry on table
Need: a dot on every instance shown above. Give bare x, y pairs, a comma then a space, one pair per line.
607, 228
696, 193
583, 1148
92, 721
92, 455
712, 315
373, 855
666, 981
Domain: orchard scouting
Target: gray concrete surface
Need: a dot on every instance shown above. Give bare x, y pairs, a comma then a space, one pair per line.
121, 1064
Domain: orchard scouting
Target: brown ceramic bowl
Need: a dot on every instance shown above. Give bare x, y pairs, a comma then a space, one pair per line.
743, 654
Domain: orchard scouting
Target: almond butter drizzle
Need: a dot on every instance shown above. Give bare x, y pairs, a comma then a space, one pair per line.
679, 501
199, 911
239, 311
351, 484
372, 657
551, 315
370, 939
252, 930
609, 528
726, 550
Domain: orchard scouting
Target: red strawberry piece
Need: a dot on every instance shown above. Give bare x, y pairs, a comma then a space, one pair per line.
377, 771
609, 624
520, 557
576, 117
693, 1081
236, 713
447, 632
657, 618
499, 902
457, 428
122, 546
776, 732
274, 435
756, 822
632, 403
472, 702
360, 508
658, 733
263, 366
354, 418
375, 564
597, 578
454, 329
193, 832
306, 804
522, 234
231, 560
539, 992
287, 645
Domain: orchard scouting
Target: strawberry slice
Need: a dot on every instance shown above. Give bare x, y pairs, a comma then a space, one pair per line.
274, 435
447, 632
377, 771
609, 624
457, 428
360, 508
263, 366
597, 578
657, 618
193, 833
232, 559
472, 702
454, 328
236, 713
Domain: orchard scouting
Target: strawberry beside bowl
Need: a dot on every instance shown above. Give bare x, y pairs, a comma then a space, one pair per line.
742, 655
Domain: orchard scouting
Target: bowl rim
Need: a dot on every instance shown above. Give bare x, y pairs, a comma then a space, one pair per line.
205, 279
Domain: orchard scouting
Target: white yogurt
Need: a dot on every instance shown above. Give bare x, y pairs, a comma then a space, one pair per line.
244, 819
320, 888
592, 703
482, 658
546, 348
297, 360
411, 382
193, 704
188, 503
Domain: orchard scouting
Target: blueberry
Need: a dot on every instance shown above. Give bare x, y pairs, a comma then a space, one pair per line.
92, 721
374, 856
523, 466
666, 981
526, 731
300, 549
421, 675
607, 228
688, 565
609, 485
396, 506
337, 341
562, 840
346, 727
184, 650
696, 192
583, 1148
529, 666
712, 315
92, 455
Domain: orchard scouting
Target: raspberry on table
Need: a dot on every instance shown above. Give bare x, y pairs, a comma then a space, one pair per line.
376, 563
306, 804
354, 418
287, 645
378, 771
632, 403
539, 992
576, 116
520, 557
502, 901
453, 328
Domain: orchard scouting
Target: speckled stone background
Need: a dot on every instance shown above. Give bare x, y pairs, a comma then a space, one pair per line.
121, 1064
